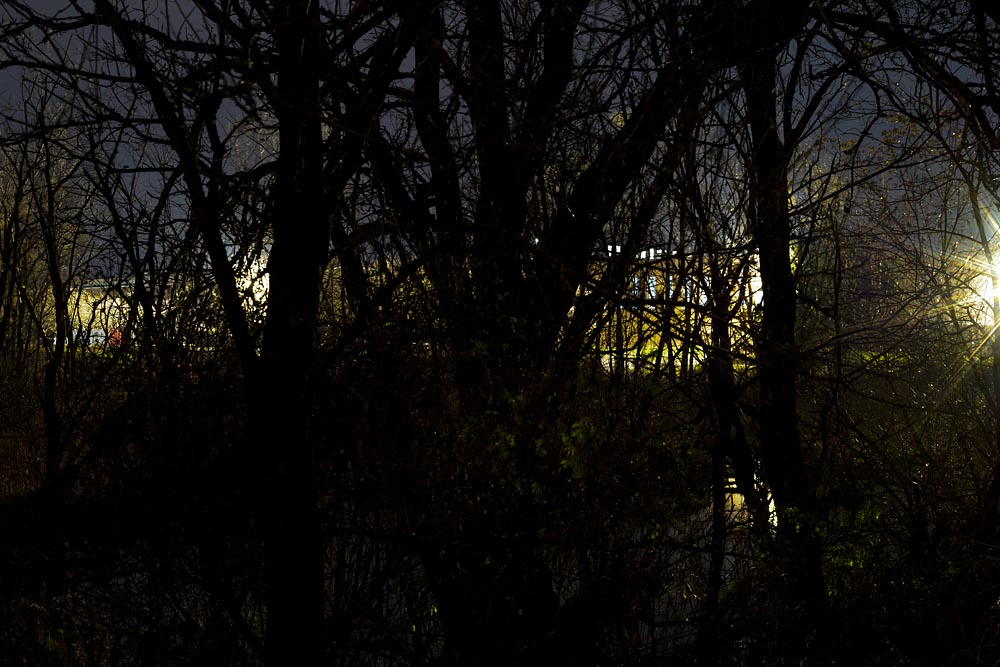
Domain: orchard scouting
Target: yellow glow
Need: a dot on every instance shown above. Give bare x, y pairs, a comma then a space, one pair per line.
988, 265
986, 291
979, 303
977, 273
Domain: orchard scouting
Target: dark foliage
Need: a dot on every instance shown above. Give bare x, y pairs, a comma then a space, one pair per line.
499, 333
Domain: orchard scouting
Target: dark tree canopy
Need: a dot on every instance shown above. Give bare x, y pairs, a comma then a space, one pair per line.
499, 332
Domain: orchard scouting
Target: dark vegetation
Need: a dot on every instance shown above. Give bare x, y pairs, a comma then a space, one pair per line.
499, 333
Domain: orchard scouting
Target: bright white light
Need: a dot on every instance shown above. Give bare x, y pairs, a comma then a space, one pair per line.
985, 290
254, 283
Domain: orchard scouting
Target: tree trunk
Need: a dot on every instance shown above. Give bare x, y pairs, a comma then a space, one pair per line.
784, 465
278, 399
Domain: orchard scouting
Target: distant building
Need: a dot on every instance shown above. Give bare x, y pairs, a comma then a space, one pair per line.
658, 308
98, 312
